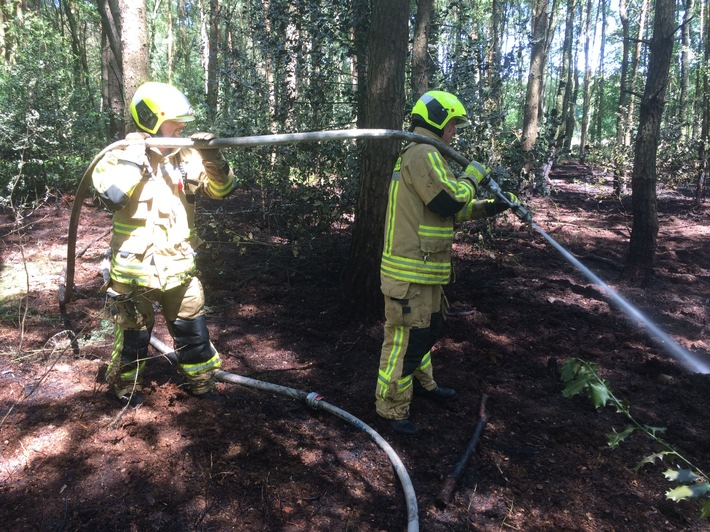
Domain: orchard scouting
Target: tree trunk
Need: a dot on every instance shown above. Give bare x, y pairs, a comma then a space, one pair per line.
572, 105
635, 60
384, 101
422, 63
540, 21
705, 121
111, 66
564, 89
495, 81
212, 46
134, 50
587, 81
622, 111
642, 247
600, 76
684, 104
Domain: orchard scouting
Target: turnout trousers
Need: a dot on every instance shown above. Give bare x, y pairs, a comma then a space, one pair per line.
412, 326
182, 307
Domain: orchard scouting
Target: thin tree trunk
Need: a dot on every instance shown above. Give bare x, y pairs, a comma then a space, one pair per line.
683, 101
212, 47
705, 121
587, 82
540, 20
622, 111
572, 105
642, 247
564, 89
635, 61
600, 73
495, 82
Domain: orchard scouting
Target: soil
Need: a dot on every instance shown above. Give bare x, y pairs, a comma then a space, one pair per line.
72, 459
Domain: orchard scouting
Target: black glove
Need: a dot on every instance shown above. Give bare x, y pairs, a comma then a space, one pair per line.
497, 205
208, 155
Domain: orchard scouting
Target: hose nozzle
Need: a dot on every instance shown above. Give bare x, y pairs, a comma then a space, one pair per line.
521, 212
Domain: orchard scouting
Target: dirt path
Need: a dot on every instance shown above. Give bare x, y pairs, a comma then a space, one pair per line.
70, 460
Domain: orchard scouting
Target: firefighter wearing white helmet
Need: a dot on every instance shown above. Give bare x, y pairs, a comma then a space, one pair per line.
425, 200
152, 192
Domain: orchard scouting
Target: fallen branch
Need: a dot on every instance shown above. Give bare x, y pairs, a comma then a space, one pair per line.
444, 497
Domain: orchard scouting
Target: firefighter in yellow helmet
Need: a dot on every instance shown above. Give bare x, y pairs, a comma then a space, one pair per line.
425, 200
151, 192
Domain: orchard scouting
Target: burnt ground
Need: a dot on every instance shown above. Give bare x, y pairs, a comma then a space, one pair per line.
70, 459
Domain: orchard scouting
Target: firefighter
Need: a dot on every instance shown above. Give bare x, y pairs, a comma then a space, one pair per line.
151, 192
425, 200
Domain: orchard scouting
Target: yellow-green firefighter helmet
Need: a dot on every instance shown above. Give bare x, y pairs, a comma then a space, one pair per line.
436, 108
154, 103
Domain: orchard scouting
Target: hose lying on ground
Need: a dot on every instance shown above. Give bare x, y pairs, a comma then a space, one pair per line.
316, 402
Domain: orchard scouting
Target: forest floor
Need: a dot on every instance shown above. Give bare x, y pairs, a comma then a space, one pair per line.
71, 459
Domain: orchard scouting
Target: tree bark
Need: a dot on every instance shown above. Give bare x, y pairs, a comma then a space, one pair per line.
384, 101
422, 63
644, 233
635, 61
684, 105
587, 82
540, 21
134, 50
622, 110
111, 66
705, 121
600, 75
212, 45
564, 88
495, 81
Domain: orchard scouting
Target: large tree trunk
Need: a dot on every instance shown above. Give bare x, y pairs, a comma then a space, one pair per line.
384, 101
642, 247
134, 50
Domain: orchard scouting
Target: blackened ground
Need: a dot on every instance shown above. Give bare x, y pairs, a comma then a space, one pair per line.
71, 460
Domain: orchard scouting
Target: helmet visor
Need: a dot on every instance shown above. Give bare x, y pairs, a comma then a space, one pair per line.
461, 122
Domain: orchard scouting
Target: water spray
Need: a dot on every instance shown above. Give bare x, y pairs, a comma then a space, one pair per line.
690, 361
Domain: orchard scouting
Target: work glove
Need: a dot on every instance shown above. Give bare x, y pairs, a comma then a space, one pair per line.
497, 205
208, 155
476, 172
135, 152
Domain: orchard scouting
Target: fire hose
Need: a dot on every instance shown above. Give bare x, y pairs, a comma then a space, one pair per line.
66, 282
316, 402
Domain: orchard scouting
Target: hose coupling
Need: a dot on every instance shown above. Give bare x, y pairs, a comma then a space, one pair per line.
313, 400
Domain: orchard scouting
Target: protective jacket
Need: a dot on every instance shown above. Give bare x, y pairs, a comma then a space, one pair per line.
425, 199
153, 199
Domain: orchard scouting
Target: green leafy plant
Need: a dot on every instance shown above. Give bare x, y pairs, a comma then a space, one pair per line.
581, 377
